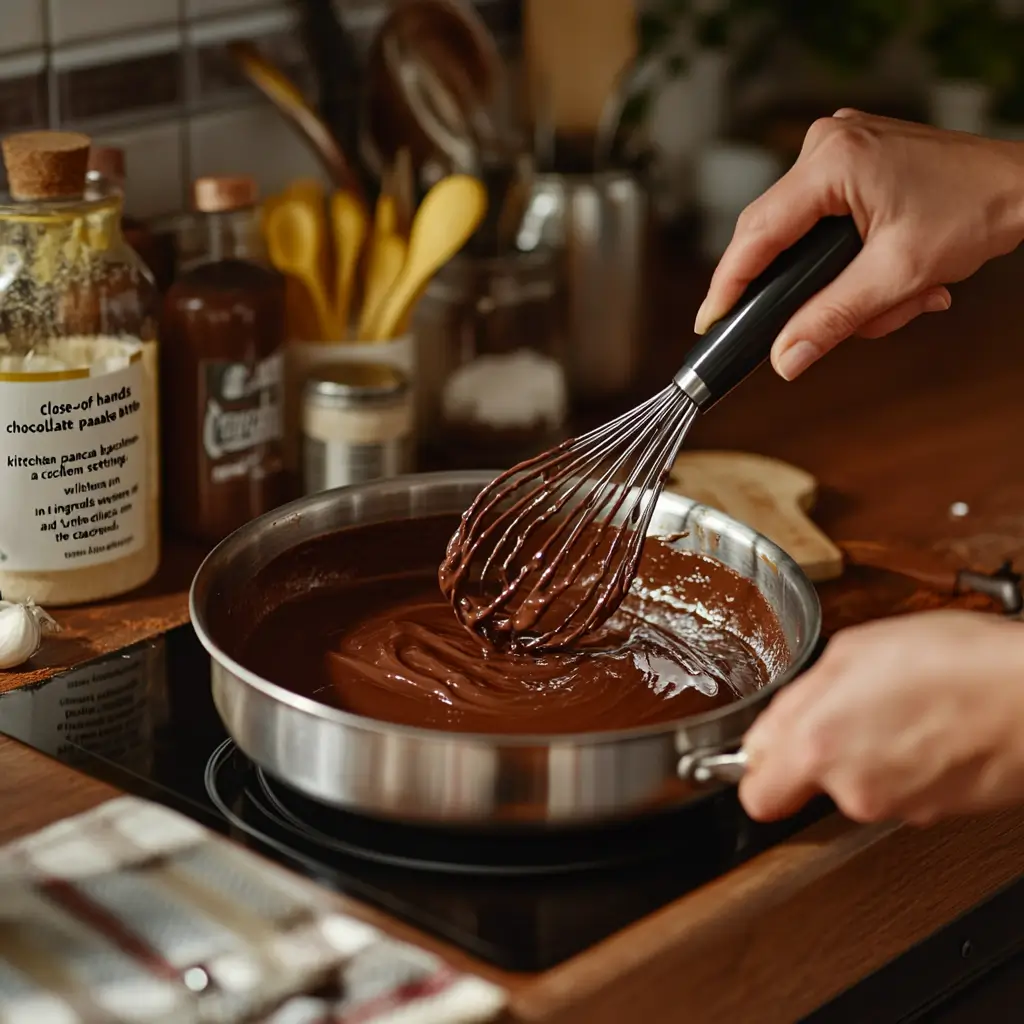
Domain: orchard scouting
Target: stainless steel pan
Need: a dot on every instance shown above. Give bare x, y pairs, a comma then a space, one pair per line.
430, 776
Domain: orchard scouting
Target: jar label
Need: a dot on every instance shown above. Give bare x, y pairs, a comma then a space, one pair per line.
73, 463
242, 411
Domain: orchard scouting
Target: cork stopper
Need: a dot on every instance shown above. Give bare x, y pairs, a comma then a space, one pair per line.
220, 194
108, 162
46, 165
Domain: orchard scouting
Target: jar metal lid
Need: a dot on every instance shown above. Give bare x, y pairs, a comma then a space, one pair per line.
355, 383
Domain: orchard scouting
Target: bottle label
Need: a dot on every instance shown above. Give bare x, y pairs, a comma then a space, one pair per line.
243, 411
73, 458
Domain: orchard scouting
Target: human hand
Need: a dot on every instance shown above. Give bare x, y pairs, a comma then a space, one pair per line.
932, 206
916, 718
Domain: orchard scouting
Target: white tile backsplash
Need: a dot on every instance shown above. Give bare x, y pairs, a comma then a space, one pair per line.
21, 25
120, 48
250, 25
89, 19
153, 168
254, 140
19, 65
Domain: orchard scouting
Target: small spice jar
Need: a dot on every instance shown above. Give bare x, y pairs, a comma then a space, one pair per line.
357, 424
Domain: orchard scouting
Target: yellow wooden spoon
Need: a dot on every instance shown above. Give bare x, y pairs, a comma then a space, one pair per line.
383, 262
388, 258
449, 214
349, 223
294, 240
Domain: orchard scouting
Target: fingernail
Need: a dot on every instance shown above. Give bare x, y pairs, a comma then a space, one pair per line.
937, 303
795, 359
700, 324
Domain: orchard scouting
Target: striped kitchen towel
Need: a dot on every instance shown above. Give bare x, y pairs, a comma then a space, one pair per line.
134, 914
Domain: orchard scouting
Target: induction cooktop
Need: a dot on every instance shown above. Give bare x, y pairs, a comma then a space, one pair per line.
143, 719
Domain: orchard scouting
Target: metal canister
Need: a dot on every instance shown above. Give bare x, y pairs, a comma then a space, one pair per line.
357, 424
599, 223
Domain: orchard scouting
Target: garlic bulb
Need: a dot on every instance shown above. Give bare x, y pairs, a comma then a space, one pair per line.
22, 627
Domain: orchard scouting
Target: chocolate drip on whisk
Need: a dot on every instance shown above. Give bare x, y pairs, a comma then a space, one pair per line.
548, 551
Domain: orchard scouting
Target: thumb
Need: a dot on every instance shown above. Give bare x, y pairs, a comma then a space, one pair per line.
875, 283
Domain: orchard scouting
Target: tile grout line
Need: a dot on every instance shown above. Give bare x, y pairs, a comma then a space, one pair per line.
49, 74
184, 108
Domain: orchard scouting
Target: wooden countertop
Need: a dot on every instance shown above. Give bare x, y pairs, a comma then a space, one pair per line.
897, 431
94, 630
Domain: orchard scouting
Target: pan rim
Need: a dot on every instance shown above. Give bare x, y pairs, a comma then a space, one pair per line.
299, 704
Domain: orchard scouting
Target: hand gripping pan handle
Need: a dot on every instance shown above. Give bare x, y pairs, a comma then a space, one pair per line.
737, 344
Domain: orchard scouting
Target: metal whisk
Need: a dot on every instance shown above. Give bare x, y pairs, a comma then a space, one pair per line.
548, 550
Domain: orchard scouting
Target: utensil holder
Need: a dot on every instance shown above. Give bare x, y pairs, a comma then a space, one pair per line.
599, 223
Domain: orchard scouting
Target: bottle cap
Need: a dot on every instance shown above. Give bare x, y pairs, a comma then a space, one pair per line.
46, 165
220, 194
108, 162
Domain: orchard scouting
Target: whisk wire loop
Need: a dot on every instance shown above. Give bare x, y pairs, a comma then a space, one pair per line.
568, 524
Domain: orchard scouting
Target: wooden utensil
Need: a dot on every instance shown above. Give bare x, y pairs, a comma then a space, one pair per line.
288, 98
447, 217
300, 314
574, 53
390, 252
349, 226
402, 187
384, 261
309, 190
312, 192
770, 496
294, 240
385, 217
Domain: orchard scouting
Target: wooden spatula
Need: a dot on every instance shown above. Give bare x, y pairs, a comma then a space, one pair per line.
574, 53
771, 496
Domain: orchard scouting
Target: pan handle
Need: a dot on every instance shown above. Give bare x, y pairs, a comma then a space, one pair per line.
724, 764
707, 766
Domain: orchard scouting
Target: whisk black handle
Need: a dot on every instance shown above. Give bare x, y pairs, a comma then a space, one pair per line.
738, 343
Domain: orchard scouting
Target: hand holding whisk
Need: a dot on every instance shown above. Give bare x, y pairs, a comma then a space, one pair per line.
548, 550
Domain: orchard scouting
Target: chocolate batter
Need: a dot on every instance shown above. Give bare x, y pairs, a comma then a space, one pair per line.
377, 638
538, 562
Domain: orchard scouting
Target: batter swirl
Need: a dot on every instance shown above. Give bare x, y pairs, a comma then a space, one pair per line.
378, 639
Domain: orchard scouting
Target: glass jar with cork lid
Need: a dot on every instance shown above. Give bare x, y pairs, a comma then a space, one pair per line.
79, 446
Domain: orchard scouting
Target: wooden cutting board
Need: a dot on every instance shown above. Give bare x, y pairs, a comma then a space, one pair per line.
773, 497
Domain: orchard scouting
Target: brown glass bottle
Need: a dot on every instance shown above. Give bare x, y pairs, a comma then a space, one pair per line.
223, 348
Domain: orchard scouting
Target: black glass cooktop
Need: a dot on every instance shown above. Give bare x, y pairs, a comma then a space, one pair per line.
143, 719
